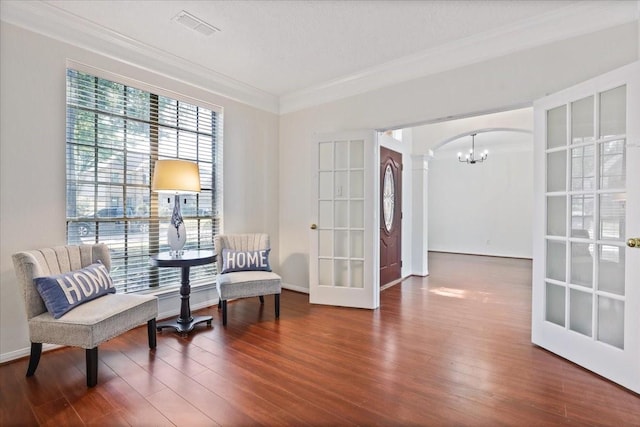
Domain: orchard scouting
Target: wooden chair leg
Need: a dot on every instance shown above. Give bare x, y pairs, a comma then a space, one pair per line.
34, 359
277, 303
219, 303
261, 299
151, 332
92, 366
224, 313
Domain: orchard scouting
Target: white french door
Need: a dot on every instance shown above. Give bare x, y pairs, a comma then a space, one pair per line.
344, 254
586, 274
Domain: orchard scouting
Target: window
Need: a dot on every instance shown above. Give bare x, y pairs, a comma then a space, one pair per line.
115, 133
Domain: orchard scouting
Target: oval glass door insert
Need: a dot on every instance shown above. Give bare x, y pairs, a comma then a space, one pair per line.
388, 198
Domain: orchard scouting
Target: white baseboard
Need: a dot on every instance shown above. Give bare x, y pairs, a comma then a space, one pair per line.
168, 306
22, 352
295, 288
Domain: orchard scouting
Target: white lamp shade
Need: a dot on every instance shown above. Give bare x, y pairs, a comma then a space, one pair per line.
176, 176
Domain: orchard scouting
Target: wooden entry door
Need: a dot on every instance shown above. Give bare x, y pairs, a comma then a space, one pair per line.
390, 215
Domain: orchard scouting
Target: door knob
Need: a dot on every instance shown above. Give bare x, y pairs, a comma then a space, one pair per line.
634, 242
313, 226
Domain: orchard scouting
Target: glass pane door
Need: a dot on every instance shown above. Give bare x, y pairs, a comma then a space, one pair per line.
341, 213
586, 263
586, 194
342, 254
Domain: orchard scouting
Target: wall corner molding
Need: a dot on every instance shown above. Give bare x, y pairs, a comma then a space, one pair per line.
573, 20
50, 21
570, 21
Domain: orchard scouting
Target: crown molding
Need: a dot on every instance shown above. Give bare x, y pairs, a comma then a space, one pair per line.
569, 21
51, 21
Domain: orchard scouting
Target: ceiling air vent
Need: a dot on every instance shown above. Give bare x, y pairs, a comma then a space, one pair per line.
196, 24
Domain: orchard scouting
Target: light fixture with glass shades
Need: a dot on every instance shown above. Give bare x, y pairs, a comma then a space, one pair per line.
471, 157
176, 177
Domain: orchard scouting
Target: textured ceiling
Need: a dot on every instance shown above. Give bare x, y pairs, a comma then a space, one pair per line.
285, 46
284, 56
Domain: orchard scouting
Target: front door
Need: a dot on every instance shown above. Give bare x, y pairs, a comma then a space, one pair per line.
390, 215
586, 263
344, 233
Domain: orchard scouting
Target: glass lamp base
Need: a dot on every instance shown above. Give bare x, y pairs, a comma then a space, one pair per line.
177, 232
177, 238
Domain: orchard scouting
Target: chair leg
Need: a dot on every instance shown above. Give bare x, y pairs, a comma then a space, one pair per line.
34, 359
277, 303
261, 299
151, 332
224, 313
219, 303
92, 366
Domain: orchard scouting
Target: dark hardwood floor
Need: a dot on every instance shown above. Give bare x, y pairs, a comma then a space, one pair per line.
449, 349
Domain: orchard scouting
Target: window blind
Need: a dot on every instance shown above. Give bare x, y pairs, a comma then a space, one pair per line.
115, 133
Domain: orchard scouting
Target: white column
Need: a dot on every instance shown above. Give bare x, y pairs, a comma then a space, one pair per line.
420, 227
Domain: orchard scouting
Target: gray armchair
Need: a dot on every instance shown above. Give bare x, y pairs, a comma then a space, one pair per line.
89, 324
243, 284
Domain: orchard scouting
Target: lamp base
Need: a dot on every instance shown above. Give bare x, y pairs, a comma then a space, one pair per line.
177, 232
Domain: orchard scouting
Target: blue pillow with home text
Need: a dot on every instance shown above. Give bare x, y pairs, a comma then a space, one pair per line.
64, 292
245, 260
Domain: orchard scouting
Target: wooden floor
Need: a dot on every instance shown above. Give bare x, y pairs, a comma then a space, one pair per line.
450, 349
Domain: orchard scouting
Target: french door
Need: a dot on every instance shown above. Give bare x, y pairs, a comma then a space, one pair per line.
586, 266
344, 234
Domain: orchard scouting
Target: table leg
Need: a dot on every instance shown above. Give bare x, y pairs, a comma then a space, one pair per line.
185, 294
185, 323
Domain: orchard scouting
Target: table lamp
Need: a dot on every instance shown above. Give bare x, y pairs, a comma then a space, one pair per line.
176, 177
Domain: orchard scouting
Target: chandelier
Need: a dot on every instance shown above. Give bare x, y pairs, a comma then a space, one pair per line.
471, 157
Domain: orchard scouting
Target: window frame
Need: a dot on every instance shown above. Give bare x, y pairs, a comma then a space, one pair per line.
204, 218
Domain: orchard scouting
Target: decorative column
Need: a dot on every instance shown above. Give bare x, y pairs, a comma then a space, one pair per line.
419, 262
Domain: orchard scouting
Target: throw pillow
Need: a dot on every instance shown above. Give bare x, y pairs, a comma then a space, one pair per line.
65, 292
245, 260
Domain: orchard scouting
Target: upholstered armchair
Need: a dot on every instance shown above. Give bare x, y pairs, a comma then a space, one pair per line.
244, 270
83, 269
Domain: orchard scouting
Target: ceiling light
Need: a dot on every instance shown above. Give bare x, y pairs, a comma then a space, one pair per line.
473, 158
197, 24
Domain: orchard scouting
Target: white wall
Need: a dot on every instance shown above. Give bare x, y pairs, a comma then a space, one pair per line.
482, 209
32, 162
512, 80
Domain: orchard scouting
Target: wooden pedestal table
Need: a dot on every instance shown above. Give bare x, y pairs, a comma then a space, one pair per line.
186, 322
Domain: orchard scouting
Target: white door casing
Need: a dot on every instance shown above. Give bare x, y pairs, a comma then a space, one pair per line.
586, 280
344, 254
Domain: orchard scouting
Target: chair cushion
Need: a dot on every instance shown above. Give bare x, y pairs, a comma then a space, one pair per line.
63, 292
95, 321
248, 284
233, 260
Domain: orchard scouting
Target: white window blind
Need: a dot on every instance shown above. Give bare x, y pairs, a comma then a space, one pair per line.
115, 133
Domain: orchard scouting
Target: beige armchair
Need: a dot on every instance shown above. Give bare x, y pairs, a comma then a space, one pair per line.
242, 284
88, 324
